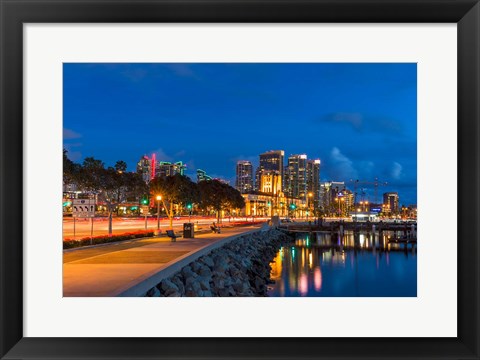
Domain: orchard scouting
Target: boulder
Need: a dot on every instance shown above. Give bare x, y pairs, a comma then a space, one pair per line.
240, 268
260, 287
218, 283
172, 293
193, 289
187, 272
207, 260
195, 267
167, 285
205, 271
153, 292
204, 283
179, 283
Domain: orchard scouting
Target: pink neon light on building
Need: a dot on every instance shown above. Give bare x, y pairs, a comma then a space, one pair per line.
152, 173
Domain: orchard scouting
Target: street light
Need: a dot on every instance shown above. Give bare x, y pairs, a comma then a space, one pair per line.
339, 200
189, 207
159, 198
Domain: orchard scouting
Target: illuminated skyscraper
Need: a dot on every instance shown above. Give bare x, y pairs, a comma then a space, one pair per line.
390, 202
329, 191
296, 176
244, 178
313, 181
165, 168
202, 175
144, 168
270, 161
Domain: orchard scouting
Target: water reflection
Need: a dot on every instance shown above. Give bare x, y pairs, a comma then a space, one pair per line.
350, 265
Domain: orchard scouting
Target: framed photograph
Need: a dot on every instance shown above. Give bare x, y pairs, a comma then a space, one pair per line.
239, 179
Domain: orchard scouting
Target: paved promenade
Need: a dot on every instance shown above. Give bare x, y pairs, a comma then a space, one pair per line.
111, 269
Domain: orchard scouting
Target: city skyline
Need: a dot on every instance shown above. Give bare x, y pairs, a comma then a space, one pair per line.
181, 112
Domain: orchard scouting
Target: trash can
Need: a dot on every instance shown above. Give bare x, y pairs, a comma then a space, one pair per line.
188, 231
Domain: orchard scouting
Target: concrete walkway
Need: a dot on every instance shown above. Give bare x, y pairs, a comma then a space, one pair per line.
112, 269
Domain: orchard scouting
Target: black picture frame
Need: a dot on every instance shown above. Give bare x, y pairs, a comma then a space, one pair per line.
14, 13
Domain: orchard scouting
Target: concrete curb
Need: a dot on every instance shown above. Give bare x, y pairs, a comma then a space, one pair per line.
174, 266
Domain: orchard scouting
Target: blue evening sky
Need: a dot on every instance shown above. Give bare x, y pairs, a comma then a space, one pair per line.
360, 120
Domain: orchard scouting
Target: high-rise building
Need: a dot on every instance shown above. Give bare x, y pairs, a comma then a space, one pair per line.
272, 161
202, 175
258, 176
329, 191
390, 202
244, 178
347, 198
313, 181
144, 168
296, 176
165, 168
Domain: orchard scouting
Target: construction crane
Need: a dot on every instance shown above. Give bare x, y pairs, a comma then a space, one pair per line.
362, 192
376, 183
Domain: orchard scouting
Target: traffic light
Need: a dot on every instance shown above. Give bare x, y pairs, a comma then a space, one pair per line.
145, 200
293, 206
269, 203
189, 206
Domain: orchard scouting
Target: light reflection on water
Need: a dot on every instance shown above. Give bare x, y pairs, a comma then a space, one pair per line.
352, 265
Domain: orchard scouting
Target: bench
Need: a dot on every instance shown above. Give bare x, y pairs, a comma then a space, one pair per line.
215, 229
171, 235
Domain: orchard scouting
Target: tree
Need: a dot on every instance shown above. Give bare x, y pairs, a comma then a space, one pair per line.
175, 190
136, 186
121, 166
234, 199
110, 185
219, 196
71, 170
92, 177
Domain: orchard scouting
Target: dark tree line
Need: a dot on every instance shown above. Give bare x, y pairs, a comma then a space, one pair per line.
111, 185
114, 186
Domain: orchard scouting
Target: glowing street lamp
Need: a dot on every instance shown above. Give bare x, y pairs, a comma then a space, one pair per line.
339, 200
189, 207
159, 198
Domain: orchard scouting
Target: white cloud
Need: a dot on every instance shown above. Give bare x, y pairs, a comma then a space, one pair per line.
396, 170
70, 134
161, 155
342, 166
354, 119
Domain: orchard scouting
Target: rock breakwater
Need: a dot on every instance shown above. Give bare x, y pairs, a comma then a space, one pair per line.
239, 268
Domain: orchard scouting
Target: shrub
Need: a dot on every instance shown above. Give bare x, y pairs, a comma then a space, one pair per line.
103, 239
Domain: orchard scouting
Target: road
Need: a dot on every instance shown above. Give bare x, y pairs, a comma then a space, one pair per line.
123, 225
